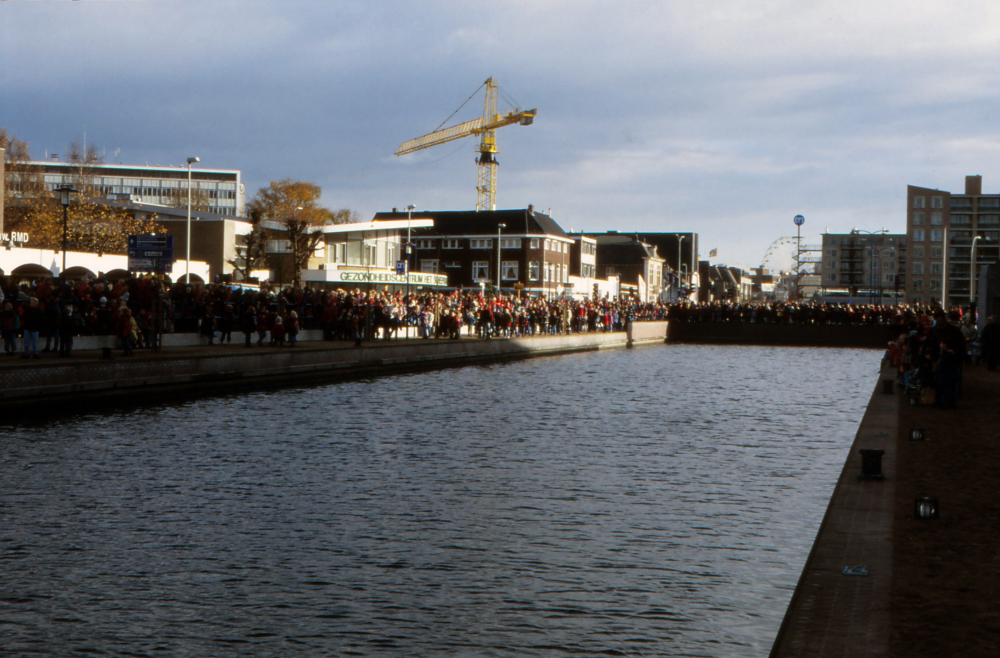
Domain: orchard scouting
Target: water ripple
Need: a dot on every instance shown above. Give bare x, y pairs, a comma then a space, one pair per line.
623, 503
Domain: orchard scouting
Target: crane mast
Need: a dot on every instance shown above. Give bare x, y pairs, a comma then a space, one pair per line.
486, 128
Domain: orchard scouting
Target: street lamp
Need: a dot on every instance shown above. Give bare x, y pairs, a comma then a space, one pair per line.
680, 281
972, 269
187, 253
499, 226
65, 193
409, 216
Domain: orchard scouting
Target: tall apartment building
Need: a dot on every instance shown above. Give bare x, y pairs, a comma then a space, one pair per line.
221, 189
943, 230
864, 266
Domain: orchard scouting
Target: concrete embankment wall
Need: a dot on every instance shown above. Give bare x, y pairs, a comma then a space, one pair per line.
813, 335
52, 384
840, 606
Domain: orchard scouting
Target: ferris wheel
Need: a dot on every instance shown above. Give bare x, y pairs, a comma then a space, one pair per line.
780, 256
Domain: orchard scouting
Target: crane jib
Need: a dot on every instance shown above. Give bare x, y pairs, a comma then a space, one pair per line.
491, 120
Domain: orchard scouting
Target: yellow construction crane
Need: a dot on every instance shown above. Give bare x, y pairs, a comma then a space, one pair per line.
485, 127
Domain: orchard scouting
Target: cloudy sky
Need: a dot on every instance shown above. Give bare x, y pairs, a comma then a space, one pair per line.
722, 117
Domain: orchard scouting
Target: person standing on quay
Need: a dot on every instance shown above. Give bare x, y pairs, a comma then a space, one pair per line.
124, 330
990, 341
33, 320
10, 323
67, 328
249, 323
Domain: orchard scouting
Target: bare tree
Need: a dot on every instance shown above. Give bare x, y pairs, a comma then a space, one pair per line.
252, 255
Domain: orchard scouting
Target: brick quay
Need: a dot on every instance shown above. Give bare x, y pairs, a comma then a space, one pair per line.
882, 582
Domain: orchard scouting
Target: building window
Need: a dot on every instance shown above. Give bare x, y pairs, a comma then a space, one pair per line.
918, 219
918, 252
429, 266
936, 252
918, 268
989, 220
452, 264
481, 244
425, 244
450, 244
918, 202
918, 285
935, 285
935, 268
609, 271
533, 270
480, 270
961, 220
937, 235
936, 219
832, 277
889, 278
918, 235
534, 243
278, 246
509, 270
337, 252
832, 253
510, 243
937, 202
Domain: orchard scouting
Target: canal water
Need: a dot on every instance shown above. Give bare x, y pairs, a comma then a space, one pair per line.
647, 502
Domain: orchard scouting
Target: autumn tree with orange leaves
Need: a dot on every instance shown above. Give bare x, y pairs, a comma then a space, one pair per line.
294, 205
30, 207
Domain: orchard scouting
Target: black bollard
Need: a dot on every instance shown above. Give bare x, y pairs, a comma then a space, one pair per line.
871, 464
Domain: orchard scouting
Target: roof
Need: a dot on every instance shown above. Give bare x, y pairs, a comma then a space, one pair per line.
623, 253
519, 221
167, 212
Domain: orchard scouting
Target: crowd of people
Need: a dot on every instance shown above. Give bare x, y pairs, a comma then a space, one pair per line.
268, 315
931, 352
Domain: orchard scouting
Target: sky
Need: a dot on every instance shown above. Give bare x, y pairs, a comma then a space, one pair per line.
726, 118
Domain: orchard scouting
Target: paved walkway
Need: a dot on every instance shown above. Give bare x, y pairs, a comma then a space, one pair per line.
833, 614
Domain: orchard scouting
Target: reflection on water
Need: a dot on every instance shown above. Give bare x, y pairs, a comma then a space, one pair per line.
657, 501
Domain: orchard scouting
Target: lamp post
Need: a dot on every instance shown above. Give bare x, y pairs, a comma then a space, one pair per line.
972, 269
187, 252
65, 193
680, 280
499, 226
798, 220
409, 216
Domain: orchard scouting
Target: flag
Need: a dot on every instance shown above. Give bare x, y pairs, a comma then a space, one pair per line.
713, 253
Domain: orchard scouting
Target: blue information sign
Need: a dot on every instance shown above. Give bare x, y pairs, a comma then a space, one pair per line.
400, 267
150, 253
799, 220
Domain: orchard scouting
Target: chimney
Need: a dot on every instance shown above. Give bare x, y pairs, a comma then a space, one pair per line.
393, 211
531, 208
973, 185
